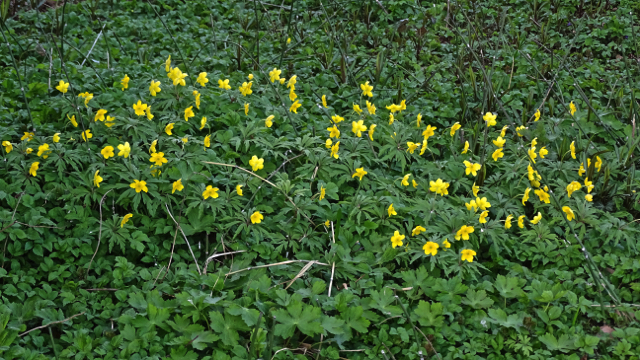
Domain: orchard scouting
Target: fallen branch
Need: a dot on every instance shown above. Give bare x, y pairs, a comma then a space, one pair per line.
210, 258
185, 240
51, 323
276, 264
99, 233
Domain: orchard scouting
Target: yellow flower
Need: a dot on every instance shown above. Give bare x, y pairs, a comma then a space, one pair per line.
168, 129
414, 183
497, 154
288, 41
419, 120
536, 219
185, 139
507, 222
366, 89
245, 89
360, 172
125, 219
391, 119
572, 106
581, 170
188, 112
256, 163
417, 230
152, 148
521, 221
294, 107
334, 132
210, 192
97, 179
323, 192
292, 94
439, 187
177, 186
403, 105
446, 244
537, 115
572, 147
268, 122
405, 180
158, 158
532, 154
125, 82
411, 146
327, 223
391, 211
274, 75
197, 95
371, 108
62, 86
394, 108
73, 120
292, 82
224, 84
598, 163
490, 119
149, 114
396, 239
256, 218
178, 77
573, 186
499, 142
207, 141
588, 197
483, 203
430, 248
7, 146
334, 150
87, 97
358, 127
202, 79
139, 185
250, 76
328, 144
588, 184
467, 255
28, 136
518, 130
139, 108
154, 88
543, 195
324, 101
475, 189
543, 152
464, 232
246, 108
43, 150
455, 128
167, 63
34, 168
424, 146
357, 109
471, 168
466, 147
203, 122
100, 115
525, 197
29, 151
107, 152
483, 217
569, 212
372, 128
471, 205
430, 131
86, 135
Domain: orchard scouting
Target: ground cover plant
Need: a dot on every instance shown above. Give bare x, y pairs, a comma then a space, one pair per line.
324, 180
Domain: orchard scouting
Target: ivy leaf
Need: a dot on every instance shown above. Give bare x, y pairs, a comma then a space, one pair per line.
307, 321
477, 299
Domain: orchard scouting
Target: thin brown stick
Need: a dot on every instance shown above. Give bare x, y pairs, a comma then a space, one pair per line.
429, 341
276, 264
175, 235
210, 258
159, 272
36, 226
99, 234
4, 252
101, 289
302, 271
185, 240
51, 323
333, 266
265, 180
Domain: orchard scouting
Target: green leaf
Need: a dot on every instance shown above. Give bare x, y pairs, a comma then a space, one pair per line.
429, 314
477, 299
305, 318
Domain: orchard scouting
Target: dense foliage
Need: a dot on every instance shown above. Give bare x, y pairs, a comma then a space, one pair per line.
220, 180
